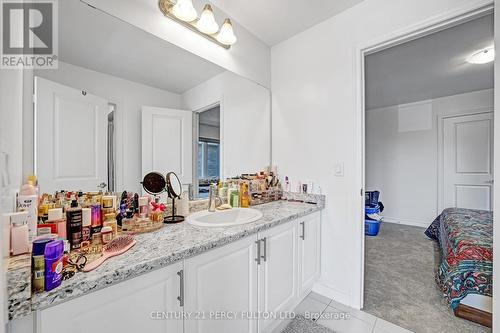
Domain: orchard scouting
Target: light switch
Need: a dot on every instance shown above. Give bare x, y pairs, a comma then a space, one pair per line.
339, 169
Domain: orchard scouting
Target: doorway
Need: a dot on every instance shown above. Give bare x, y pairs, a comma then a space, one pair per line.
409, 119
207, 150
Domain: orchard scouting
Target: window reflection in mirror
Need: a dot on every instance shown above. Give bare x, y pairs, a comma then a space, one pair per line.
208, 155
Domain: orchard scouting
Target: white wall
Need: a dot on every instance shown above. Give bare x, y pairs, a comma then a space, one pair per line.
315, 91
249, 57
129, 97
402, 164
245, 120
496, 208
11, 149
11, 138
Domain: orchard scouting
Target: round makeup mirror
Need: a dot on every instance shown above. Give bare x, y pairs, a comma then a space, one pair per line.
174, 190
154, 183
174, 186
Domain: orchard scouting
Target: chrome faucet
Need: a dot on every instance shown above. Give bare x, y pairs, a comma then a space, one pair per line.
213, 197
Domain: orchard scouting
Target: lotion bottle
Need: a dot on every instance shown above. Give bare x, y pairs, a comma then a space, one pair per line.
19, 233
235, 197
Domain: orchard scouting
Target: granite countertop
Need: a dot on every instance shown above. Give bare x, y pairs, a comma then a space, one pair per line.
156, 250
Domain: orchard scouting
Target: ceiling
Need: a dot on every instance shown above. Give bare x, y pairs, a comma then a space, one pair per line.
274, 21
430, 67
92, 39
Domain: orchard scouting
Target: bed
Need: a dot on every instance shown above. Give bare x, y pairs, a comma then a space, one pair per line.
465, 273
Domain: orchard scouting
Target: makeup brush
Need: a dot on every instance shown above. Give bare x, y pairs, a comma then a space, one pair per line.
116, 247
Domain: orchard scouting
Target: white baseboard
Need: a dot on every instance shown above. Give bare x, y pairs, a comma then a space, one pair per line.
411, 222
331, 292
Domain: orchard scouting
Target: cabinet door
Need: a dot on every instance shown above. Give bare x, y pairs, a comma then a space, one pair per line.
136, 305
224, 280
278, 273
309, 251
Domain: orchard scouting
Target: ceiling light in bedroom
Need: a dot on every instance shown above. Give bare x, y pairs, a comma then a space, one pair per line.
206, 23
483, 56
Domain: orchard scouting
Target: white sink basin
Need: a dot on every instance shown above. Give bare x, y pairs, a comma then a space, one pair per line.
224, 218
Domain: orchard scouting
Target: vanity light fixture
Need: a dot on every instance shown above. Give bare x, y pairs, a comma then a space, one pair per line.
226, 34
206, 23
483, 56
183, 12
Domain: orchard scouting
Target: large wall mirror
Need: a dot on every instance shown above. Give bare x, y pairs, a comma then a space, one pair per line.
124, 103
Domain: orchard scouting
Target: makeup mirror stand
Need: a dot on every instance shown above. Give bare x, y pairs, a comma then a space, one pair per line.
173, 218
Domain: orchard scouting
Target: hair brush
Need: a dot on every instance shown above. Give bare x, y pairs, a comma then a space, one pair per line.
116, 247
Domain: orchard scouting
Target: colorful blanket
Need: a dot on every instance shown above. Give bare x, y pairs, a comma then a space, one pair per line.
465, 237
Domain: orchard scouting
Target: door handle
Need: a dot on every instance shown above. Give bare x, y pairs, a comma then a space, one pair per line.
264, 240
102, 185
180, 298
490, 181
303, 236
258, 252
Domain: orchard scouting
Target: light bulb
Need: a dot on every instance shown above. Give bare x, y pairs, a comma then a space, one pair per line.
206, 23
184, 10
483, 56
226, 35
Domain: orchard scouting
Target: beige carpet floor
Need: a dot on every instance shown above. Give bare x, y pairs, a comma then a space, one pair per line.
400, 266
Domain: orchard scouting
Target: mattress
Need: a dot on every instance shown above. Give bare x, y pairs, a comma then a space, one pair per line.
465, 238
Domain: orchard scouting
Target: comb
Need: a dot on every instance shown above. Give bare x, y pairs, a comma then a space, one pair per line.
116, 247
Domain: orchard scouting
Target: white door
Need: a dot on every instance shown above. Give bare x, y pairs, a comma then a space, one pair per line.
224, 279
136, 305
309, 252
278, 272
468, 161
167, 142
70, 138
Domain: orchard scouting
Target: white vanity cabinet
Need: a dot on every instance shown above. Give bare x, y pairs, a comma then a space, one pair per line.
278, 272
225, 280
263, 276
309, 230
232, 288
136, 305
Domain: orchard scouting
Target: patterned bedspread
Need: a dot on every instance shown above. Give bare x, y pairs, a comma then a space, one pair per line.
466, 240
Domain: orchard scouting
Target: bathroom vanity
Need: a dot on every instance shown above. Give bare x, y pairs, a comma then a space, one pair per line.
184, 278
109, 115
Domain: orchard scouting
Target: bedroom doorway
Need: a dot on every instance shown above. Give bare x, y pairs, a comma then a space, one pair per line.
427, 128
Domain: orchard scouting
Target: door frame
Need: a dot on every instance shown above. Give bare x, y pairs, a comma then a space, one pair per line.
440, 150
446, 20
196, 125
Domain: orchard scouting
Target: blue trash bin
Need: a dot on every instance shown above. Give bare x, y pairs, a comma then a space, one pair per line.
372, 228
